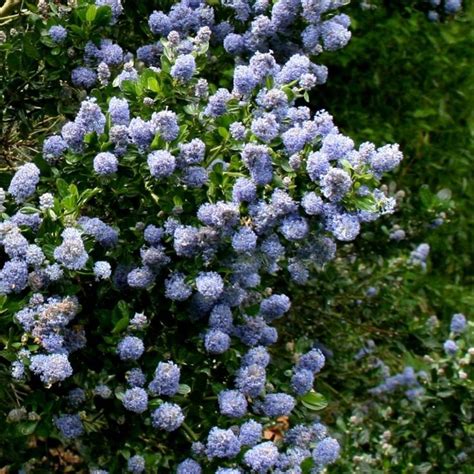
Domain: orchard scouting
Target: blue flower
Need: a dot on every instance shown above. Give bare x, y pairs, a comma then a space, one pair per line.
161, 163
105, 163
166, 379
262, 457
216, 341
70, 426
222, 443
57, 33
135, 399
232, 403
250, 433
326, 452
24, 181
168, 417
130, 348
277, 404
183, 68
136, 464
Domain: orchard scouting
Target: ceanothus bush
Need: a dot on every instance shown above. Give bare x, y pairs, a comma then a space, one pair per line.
166, 212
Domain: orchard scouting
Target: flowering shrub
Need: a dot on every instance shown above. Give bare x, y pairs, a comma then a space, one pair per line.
143, 249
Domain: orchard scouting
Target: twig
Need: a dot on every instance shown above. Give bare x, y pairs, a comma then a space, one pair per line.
8, 6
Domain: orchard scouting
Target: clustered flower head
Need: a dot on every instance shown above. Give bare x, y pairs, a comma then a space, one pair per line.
186, 201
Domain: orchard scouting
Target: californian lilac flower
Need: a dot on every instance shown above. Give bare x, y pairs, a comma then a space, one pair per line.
277, 404
185, 240
83, 77
70, 426
312, 204
102, 391
166, 124
189, 466
46, 201
232, 403
241, 9
34, 256
221, 318
274, 307
257, 355
168, 417
298, 271
150, 54
450, 347
141, 277
244, 240
136, 464
76, 397
135, 377
119, 111
334, 34
201, 89
54, 272
326, 452
228, 470
103, 73
195, 176
159, 23
419, 255
313, 360
386, 159
336, 146
138, 322
265, 128
17, 370
184, 68
397, 235
53, 147
51, 368
57, 33
319, 431
15, 245
244, 190
238, 131
33, 221
216, 341
217, 103
300, 435
317, 165
102, 270
24, 182
161, 163
192, 153
90, 117
257, 159
344, 227
135, 399
452, 6
294, 140
103, 233
302, 381
262, 457
153, 234
141, 133
234, 44
166, 379
129, 73
458, 323
210, 284
71, 253
335, 184
294, 227
111, 54
222, 444
250, 379
105, 163
293, 69
176, 288
250, 433
73, 134
130, 348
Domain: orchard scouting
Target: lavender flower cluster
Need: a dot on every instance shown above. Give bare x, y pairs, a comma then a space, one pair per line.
290, 186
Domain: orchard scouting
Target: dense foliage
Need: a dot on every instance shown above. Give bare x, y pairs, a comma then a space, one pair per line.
182, 327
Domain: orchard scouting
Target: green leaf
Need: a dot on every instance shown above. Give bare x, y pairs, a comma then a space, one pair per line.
314, 401
184, 389
121, 325
91, 13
